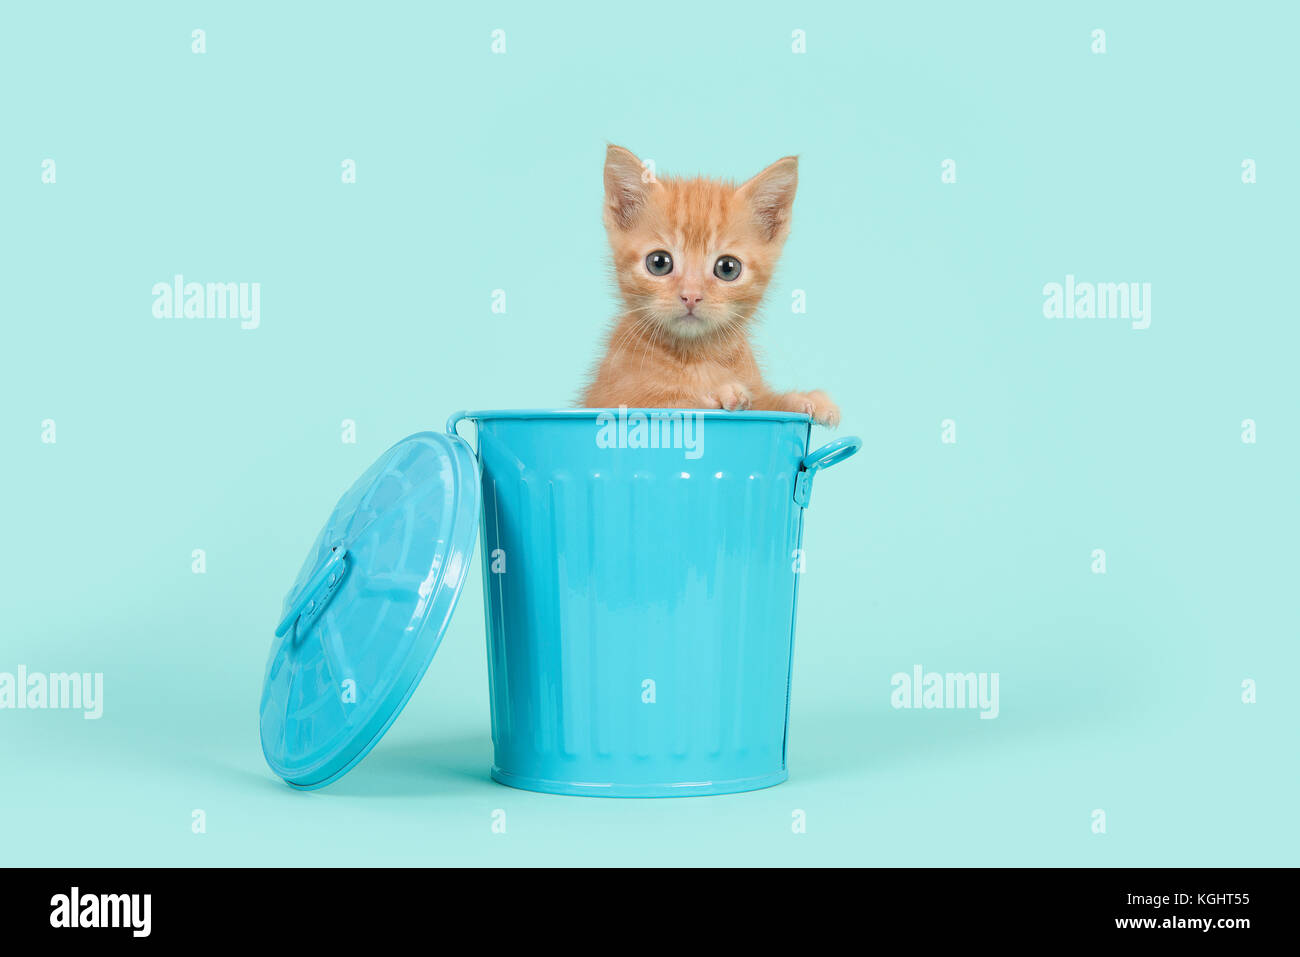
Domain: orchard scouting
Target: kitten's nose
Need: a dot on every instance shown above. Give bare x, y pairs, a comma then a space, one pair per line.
692, 299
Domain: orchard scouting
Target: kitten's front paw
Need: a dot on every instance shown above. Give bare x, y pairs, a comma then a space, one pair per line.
733, 397
819, 405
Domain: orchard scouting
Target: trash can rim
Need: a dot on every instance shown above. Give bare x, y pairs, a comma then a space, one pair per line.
480, 414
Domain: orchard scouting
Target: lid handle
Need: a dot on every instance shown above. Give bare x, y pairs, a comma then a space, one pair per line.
320, 588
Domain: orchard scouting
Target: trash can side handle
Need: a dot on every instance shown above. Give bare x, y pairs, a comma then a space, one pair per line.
454, 420
832, 453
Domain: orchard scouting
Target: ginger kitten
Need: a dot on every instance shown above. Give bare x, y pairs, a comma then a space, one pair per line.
692, 258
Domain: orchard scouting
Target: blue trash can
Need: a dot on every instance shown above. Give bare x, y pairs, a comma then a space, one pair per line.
640, 582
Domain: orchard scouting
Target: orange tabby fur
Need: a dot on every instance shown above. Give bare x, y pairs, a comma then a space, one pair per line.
682, 339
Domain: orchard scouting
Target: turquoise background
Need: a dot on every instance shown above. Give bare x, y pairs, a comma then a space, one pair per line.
478, 172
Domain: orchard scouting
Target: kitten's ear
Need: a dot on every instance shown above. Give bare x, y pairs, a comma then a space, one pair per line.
626, 187
770, 195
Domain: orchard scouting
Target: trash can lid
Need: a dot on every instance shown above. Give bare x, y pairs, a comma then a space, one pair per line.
369, 608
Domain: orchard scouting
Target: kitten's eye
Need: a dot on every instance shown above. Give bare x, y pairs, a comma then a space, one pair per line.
727, 268
659, 263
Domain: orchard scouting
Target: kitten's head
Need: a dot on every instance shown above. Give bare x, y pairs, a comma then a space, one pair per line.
693, 256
